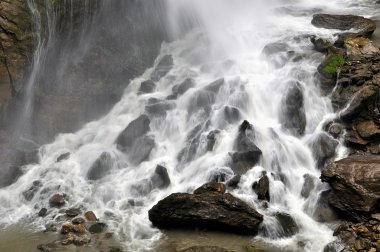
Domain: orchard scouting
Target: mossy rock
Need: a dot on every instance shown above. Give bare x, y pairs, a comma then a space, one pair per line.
334, 64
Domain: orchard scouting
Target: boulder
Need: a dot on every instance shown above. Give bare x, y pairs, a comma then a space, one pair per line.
355, 183
101, 167
183, 87
222, 212
29, 194
288, 225
308, 185
323, 148
368, 129
365, 27
292, 114
141, 150
320, 44
68, 228
42, 212
97, 228
234, 181
160, 178
231, 114
73, 212
214, 86
156, 107
135, 129
162, 68
262, 188
335, 129
360, 46
213, 187
63, 156
211, 139
205, 249
247, 153
323, 211
57, 200
279, 53
78, 220
90, 216
147, 86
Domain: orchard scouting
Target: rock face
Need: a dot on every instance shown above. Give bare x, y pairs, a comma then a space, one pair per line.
212, 210
364, 26
355, 183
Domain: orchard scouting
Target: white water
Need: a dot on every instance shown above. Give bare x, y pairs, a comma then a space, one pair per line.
227, 43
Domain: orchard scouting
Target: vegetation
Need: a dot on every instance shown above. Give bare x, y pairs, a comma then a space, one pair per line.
335, 63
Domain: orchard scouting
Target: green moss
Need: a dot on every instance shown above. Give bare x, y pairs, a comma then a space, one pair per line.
335, 63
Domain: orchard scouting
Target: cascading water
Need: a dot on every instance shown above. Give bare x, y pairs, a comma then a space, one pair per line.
226, 40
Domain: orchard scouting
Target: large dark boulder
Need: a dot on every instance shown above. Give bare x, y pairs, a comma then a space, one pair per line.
288, 225
160, 178
222, 212
141, 149
100, 167
292, 114
355, 183
365, 27
162, 68
262, 188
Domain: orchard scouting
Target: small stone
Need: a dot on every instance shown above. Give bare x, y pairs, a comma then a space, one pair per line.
90, 216
72, 212
57, 200
42, 212
97, 228
78, 220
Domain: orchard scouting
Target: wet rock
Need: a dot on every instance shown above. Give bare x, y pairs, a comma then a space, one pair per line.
78, 220
293, 116
101, 167
287, 223
76, 240
222, 212
147, 86
57, 200
68, 228
261, 188
365, 27
156, 107
97, 228
42, 212
323, 211
50, 227
114, 249
234, 181
213, 187
90, 216
163, 67
211, 139
205, 249
335, 129
72, 212
63, 156
215, 85
135, 129
320, 44
278, 53
323, 148
355, 184
231, 114
183, 87
29, 194
161, 178
368, 130
308, 185
247, 154
142, 148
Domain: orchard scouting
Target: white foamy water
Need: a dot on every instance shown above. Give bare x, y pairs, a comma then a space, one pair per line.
226, 42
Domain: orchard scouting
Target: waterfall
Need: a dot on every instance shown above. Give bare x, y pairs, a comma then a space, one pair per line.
260, 54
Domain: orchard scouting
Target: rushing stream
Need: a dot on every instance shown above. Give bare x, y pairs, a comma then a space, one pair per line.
212, 39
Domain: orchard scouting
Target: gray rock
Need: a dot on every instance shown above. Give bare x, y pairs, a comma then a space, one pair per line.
163, 67
101, 167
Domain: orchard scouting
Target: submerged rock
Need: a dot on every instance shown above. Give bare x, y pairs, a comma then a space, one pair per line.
42, 212
323, 148
205, 249
308, 185
222, 212
183, 87
101, 167
29, 194
288, 225
365, 27
163, 67
262, 188
213, 187
160, 178
63, 156
355, 183
147, 86
293, 116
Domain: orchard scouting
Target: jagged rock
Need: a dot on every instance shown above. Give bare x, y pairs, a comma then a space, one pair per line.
147, 86
360, 46
101, 167
163, 67
365, 27
320, 44
90, 216
222, 212
214, 187
57, 200
142, 148
215, 85
308, 185
68, 228
247, 153
279, 53
29, 194
161, 178
355, 183
335, 129
42, 212
323, 148
287, 223
135, 129
293, 116
156, 107
63, 156
234, 181
262, 188
72, 212
183, 87
78, 220
211, 139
